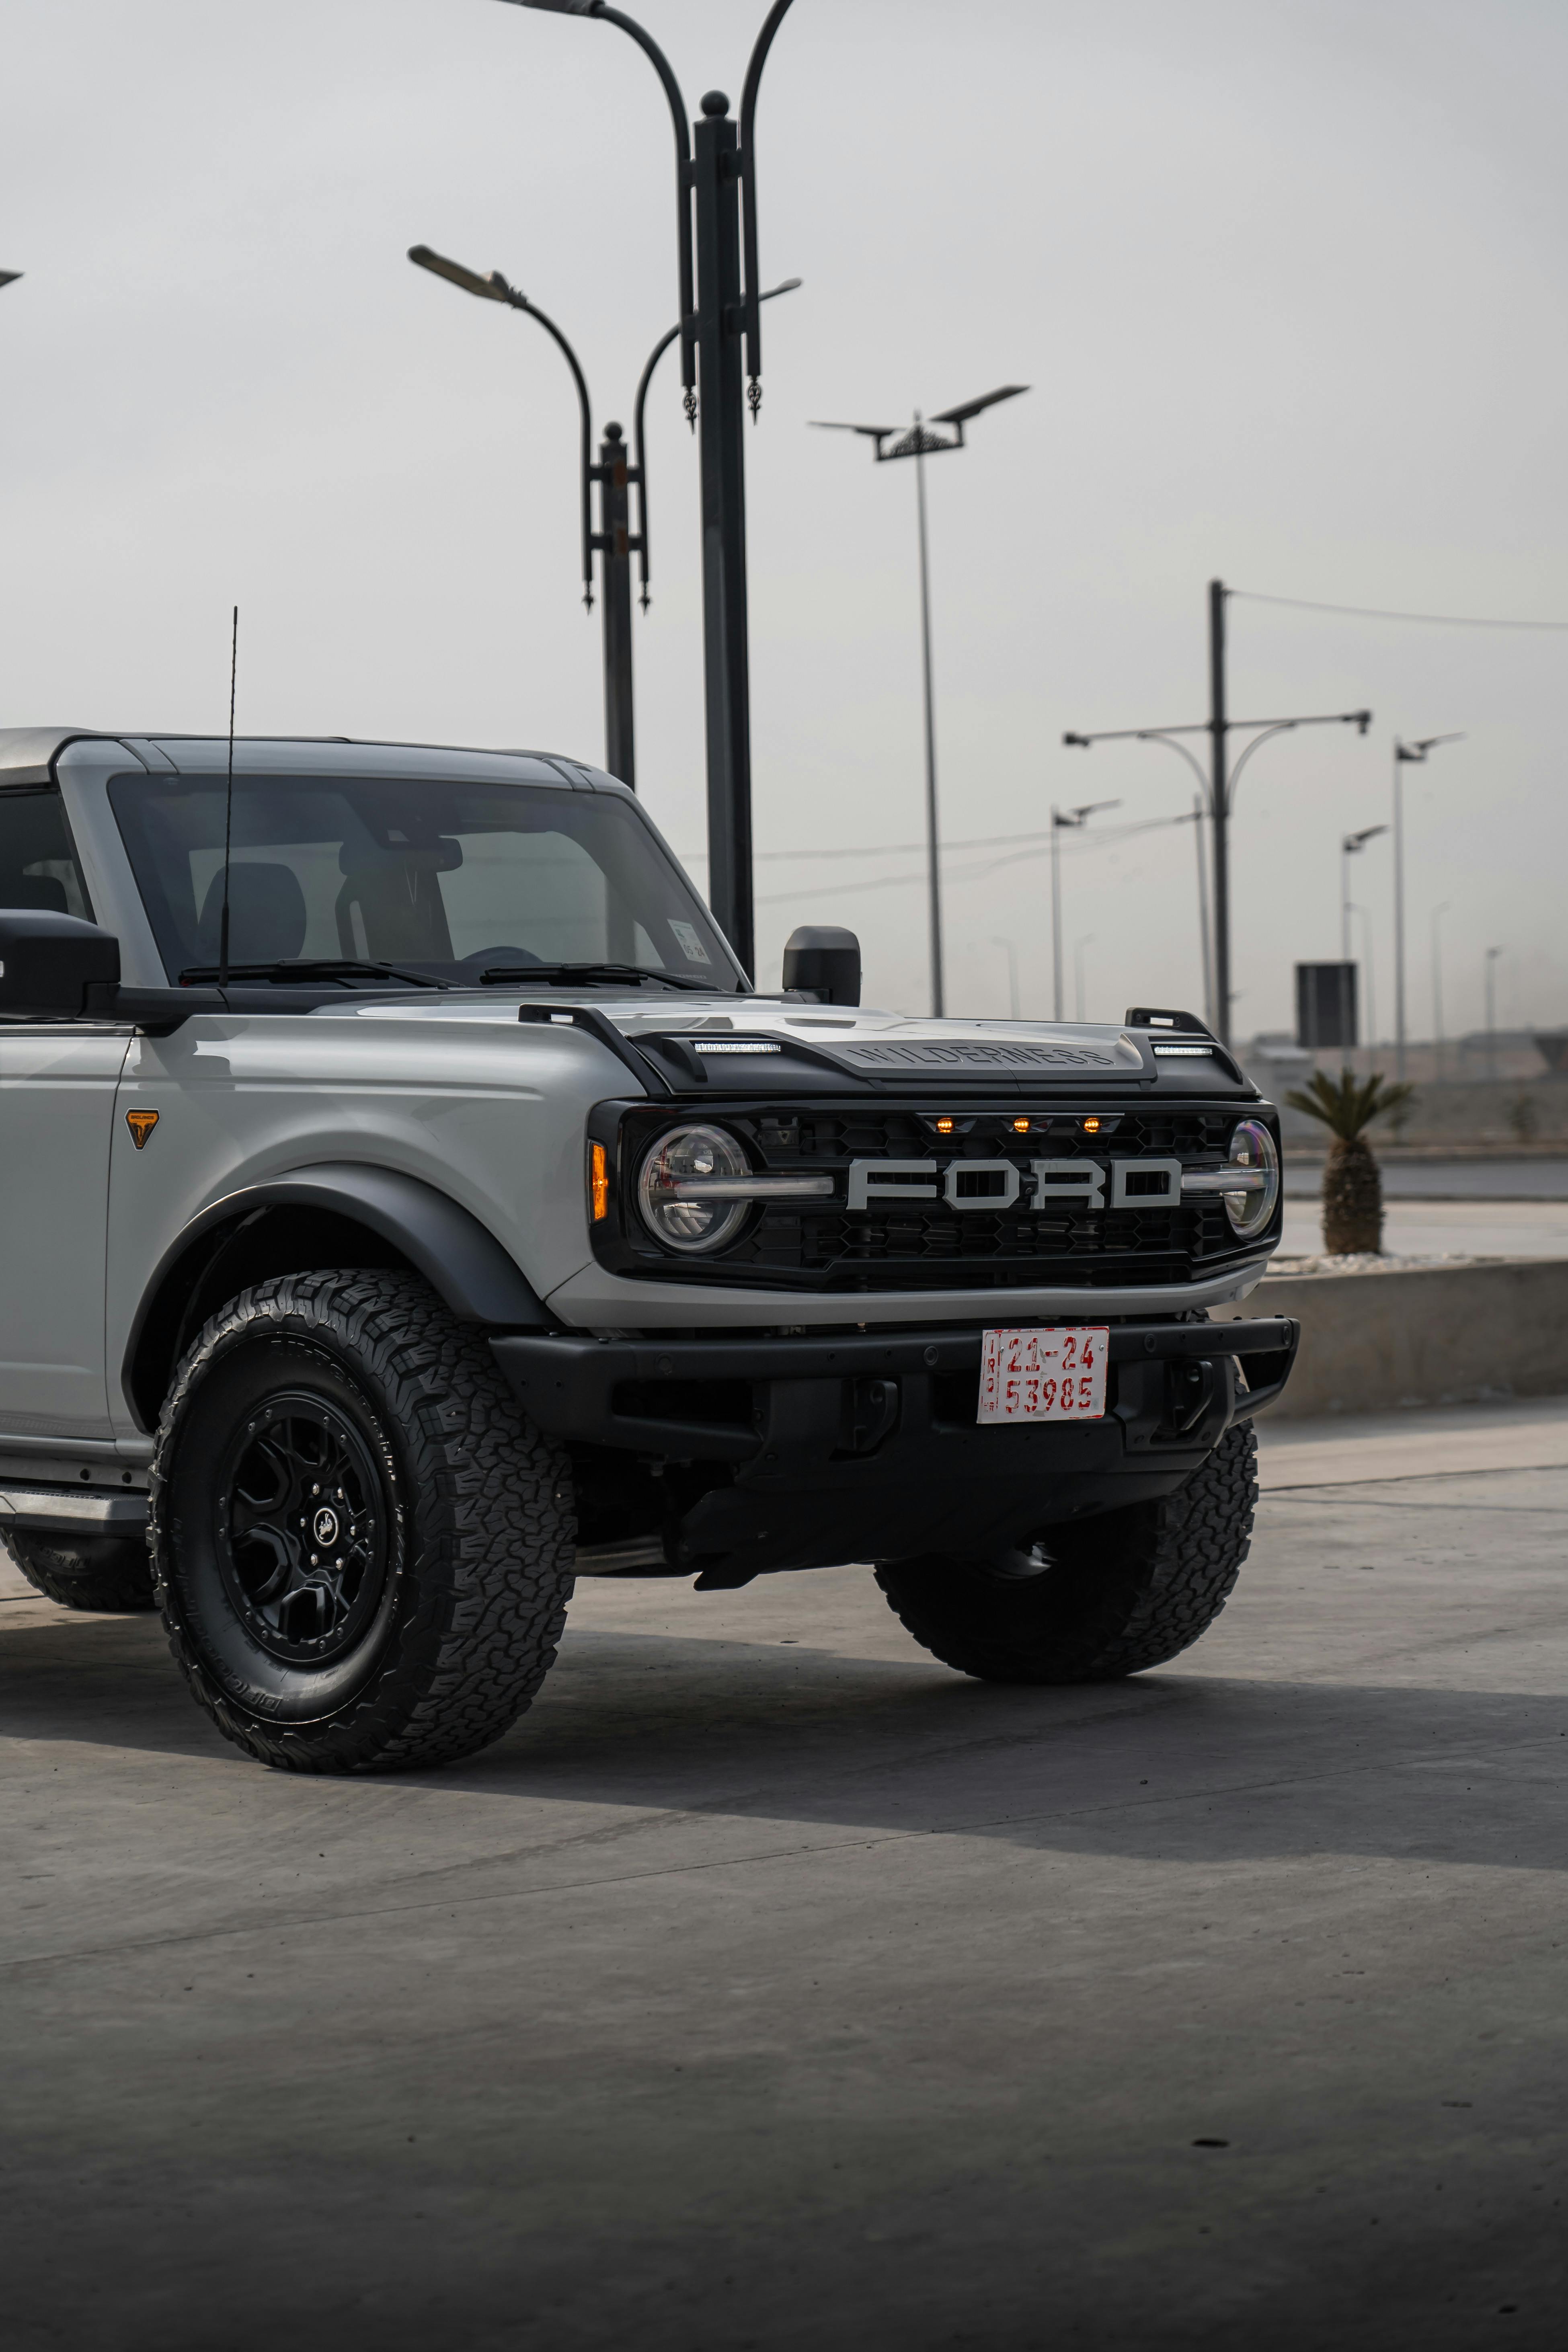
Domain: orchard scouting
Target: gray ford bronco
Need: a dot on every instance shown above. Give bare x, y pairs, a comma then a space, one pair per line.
411, 1206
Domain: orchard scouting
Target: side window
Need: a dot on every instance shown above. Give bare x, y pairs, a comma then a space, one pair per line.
38, 862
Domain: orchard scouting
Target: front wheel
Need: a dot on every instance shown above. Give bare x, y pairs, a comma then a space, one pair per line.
1098, 1599
363, 1553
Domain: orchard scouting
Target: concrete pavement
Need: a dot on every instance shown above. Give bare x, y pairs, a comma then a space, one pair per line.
773, 1985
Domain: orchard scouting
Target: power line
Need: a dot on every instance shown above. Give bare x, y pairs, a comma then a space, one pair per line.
970, 873
1107, 834
1377, 613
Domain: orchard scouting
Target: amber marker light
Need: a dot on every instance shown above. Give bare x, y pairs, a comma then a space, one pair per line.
945, 1126
1091, 1126
1020, 1126
599, 1182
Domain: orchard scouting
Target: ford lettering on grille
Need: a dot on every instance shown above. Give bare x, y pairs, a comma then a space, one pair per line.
1002, 1184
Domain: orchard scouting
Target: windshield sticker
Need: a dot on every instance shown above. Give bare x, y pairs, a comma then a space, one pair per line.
687, 941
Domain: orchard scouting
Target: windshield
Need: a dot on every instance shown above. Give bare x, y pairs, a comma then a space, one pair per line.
450, 879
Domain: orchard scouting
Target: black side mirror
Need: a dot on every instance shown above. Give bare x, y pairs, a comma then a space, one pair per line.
823, 962
49, 961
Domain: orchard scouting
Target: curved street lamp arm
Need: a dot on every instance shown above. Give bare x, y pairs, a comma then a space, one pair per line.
1280, 727
1148, 735
639, 448
1192, 762
754, 300
520, 302
639, 457
666, 72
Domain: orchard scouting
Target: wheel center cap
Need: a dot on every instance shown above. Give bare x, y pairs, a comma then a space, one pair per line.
324, 1526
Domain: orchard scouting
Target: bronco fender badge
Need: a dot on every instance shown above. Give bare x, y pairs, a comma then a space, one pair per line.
141, 1123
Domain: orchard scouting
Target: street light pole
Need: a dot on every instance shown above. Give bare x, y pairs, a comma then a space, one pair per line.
720, 320
933, 854
1222, 778
1437, 1039
1087, 941
614, 475
1405, 755
920, 443
1492, 955
1351, 845
1010, 949
1065, 821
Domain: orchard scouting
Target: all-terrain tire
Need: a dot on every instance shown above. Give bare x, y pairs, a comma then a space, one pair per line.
458, 1527
1122, 1592
111, 1574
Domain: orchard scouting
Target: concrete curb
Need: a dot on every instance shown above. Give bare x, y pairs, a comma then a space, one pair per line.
1420, 1335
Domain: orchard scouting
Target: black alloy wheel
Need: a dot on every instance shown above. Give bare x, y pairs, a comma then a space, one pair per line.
304, 1517
362, 1551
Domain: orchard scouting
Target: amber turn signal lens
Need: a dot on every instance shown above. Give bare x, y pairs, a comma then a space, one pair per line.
1091, 1126
944, 1127
1020, 1126
598, 1183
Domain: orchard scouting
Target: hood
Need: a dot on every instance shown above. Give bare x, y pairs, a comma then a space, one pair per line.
752, 1045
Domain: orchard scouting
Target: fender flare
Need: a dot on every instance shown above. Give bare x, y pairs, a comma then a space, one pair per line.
459, 1257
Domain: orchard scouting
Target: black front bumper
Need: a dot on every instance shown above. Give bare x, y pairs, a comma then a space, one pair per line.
866, 1445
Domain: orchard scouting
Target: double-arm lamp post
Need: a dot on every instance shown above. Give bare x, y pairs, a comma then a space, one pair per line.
1405, 755
920, 443
721, 320
1219, 784
1351, 845
615, 540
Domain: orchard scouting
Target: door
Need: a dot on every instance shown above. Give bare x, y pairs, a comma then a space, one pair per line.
56, 1104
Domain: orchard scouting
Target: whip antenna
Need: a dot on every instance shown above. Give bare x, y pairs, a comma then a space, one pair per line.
228, 809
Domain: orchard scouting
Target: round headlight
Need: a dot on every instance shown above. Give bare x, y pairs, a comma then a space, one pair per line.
1252, 1146
674, 1180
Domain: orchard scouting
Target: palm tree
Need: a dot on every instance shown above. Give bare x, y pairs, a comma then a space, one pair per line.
1353, 1188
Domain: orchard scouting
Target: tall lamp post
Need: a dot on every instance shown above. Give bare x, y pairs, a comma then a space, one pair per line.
920, 443
1010, 949
615, 539
1064, 821
1492, 955
1437, 1040
1351, 845
1405, 755
720, 317
1087, 941
1220, 781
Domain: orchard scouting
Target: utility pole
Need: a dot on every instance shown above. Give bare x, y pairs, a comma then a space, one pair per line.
1492, 955
1221, 778
1205, 929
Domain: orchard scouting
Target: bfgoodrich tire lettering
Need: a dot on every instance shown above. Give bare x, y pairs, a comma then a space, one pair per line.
363, 1552
1124, 1592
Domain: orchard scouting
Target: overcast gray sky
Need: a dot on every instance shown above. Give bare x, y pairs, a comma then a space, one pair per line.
1286, 282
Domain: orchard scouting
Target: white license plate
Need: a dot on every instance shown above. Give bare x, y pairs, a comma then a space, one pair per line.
1044, 1375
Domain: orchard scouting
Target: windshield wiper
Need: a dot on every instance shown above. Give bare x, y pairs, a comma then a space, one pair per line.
530, 974
309, 968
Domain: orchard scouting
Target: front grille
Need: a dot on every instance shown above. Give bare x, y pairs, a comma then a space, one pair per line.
927, 1244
